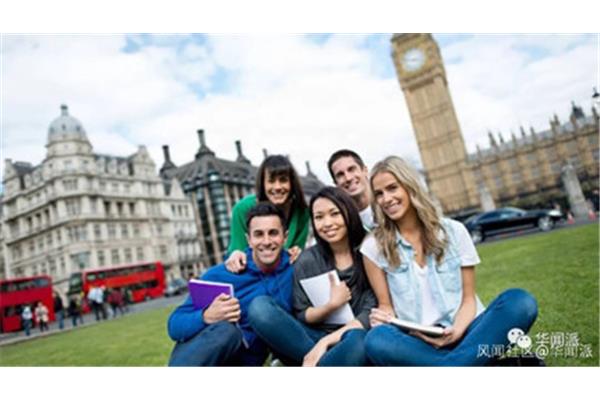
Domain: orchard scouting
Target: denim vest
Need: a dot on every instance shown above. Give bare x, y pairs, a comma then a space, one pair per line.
445, 280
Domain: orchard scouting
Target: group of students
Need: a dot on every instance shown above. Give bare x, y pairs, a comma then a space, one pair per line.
394, 255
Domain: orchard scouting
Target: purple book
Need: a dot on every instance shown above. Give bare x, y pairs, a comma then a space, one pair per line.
204, 292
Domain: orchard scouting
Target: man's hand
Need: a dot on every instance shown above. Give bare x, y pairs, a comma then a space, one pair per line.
380, 316
311, 359
294, 252
340, 294
223, 308
236, 262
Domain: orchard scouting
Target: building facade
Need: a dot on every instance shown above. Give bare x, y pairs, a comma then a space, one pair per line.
215, 185
78, 210
522, 171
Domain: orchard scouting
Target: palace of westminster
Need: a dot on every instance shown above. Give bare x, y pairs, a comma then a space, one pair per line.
79, 210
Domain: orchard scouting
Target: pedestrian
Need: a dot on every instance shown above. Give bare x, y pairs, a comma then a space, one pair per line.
93, 302
41, 315
59, 310
421, 267
27, 319
115, 299
73, 310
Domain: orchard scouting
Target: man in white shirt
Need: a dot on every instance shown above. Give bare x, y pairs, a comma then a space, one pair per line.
350, 174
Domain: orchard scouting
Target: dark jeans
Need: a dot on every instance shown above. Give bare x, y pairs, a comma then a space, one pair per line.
60, 315
217, 344
291, 339
27, 326
515, 308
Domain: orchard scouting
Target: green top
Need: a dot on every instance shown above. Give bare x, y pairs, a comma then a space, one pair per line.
297, 225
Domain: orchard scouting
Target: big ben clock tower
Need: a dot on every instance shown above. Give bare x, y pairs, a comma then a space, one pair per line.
421, 73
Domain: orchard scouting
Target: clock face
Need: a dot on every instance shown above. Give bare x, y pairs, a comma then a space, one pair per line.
413, 59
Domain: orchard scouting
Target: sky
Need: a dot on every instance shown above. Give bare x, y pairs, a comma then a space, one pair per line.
301, 95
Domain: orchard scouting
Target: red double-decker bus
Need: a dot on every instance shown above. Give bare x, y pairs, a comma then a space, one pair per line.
15, 294
144, 280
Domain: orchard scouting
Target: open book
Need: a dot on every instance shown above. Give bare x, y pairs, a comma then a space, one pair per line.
434, 331
318, 290
204, 292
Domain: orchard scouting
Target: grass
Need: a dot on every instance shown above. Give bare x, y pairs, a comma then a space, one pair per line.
559, 268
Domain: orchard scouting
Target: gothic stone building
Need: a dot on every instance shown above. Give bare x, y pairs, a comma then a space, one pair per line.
215, 185
522, 171
79, 210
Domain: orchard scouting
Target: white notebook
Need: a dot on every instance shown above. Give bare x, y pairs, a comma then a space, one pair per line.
318, 290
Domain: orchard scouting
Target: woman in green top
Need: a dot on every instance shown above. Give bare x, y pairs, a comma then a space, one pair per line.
277, 183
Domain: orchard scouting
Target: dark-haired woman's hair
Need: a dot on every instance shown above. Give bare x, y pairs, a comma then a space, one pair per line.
278, 165
354, 227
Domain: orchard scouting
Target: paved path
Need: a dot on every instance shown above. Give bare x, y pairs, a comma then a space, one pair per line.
89, 320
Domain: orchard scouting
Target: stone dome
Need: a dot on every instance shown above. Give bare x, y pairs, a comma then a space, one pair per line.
66, 125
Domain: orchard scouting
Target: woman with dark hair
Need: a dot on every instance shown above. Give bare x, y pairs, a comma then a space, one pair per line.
313, 339
277, 183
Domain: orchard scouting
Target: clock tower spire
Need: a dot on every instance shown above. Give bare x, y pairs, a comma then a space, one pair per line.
422, 77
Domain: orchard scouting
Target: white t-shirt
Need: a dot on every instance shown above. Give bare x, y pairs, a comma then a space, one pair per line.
464, 244
430, 312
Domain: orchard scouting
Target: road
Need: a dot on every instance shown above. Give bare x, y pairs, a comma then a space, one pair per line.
89, 319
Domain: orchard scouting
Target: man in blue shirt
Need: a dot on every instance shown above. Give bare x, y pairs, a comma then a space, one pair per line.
221, 334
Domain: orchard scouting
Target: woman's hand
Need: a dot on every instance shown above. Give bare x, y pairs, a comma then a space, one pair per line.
340, 294
450, 335
294, 253
311, 359
380, 315
236, 262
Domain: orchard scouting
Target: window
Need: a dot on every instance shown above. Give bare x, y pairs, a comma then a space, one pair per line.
112, 231
73, 206
127, 255
124, 231
97, 232
163, 251
101, 259
131, 208
93, 205
140, 253
107, 208
136, 230
114, 255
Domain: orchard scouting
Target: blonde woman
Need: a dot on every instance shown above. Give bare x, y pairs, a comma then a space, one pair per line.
422, 269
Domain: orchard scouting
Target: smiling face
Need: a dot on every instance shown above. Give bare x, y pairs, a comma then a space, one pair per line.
329, 221
277, 188
350, 176
391, 196
266, 238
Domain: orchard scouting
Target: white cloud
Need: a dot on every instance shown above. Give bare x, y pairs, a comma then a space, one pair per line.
285, 93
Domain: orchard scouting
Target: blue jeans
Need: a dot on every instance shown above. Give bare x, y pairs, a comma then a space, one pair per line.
387, 345
60, 315
291, 340
27, 326
217, 344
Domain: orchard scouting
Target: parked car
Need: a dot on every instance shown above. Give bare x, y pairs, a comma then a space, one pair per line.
502, 220
175, 287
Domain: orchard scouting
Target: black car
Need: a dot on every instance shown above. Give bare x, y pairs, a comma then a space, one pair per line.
508, 219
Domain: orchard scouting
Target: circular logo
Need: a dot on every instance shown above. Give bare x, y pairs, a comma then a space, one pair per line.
514, 334
524, 342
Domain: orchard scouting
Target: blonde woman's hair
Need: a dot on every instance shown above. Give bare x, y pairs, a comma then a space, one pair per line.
433, 234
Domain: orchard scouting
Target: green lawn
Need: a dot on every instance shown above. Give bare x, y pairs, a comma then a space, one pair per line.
560, 269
